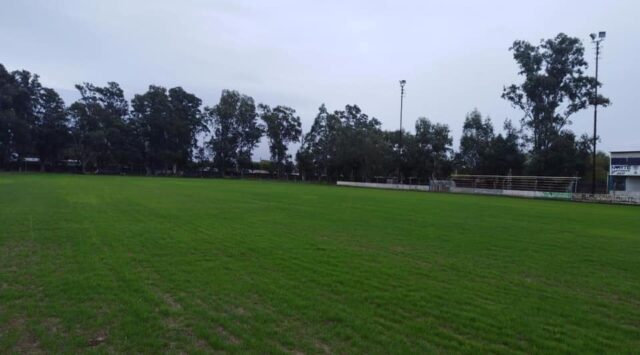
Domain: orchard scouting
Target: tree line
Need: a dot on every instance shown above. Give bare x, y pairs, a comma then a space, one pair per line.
168, 131
158, 131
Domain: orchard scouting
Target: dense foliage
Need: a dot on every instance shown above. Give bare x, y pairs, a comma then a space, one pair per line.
167, 132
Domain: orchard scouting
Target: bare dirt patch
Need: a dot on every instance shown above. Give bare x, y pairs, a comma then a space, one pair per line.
322, 347
52, 325
169, 300
27, 343
228, 337
99, 338
199, 343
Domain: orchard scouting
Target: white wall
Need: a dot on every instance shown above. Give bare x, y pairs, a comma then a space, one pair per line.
633, 184
517, 193
384, 186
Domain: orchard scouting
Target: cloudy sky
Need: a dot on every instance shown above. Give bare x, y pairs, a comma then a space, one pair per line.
453, 54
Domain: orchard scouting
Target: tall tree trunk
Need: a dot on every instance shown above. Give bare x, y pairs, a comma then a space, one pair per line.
221, 165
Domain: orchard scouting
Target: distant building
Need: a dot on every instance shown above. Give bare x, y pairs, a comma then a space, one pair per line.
258, 172
624, 171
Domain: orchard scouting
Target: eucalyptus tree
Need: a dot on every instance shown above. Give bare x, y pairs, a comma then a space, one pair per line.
235, 131
167, 123
554, 88
99, 126
282, 127
51, 134
475, 143
32, 119
433, 146
316, 156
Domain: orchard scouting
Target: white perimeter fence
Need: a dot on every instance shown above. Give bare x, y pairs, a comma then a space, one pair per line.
614, 197
384, 186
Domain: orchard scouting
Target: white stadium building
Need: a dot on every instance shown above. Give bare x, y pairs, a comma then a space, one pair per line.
624, 172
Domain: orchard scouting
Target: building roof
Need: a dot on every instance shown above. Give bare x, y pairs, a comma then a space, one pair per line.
625, 152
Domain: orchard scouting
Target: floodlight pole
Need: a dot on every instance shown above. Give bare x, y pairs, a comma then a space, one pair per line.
402, 83
596, 39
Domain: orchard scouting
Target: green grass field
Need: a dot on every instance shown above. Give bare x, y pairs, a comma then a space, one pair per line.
133, 264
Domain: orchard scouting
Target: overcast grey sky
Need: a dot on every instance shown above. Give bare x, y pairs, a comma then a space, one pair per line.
453, 54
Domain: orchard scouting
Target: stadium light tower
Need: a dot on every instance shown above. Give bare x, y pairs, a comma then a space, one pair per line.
596, 39
402, 83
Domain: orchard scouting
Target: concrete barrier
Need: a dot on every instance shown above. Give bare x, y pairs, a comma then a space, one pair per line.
632, 198
516, 193
384, 186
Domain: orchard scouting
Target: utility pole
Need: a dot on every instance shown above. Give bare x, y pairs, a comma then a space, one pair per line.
402, 83
595, 39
